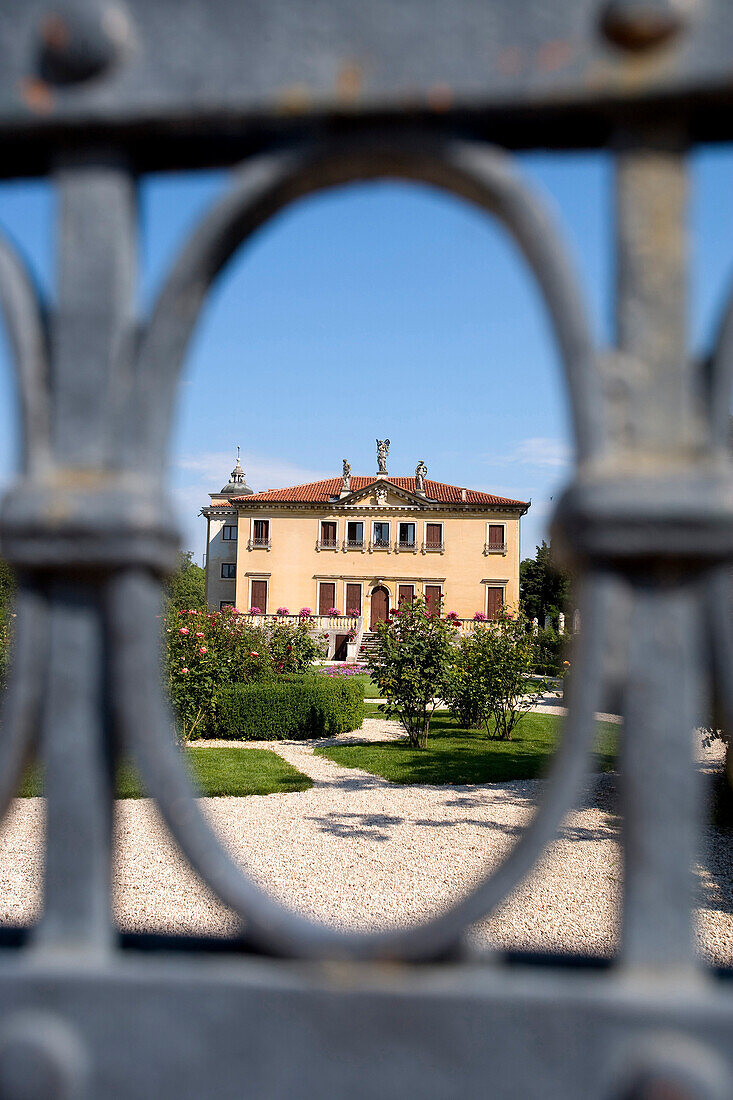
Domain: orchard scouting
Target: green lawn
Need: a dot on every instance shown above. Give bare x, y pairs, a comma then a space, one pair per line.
456, 756
233, 771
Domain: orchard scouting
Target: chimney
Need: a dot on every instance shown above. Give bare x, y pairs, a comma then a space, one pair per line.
463, 495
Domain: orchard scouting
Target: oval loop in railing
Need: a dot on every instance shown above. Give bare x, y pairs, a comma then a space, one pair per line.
141, 715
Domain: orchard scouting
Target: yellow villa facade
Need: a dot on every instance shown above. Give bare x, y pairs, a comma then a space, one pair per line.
358, 545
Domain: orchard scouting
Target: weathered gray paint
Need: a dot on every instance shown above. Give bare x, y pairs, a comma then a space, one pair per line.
310, 95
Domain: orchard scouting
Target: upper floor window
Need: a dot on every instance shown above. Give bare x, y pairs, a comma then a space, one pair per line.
433, 536
228, 570
328, 535
229, 532
354, 534
261, 532
381, 534
496, 541
407, 536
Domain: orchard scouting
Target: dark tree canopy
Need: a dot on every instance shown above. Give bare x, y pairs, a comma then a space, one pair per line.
185, 589
543, 588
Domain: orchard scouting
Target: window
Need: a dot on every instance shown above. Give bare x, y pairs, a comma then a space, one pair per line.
258, 596
328, 539
354, 534
407, 536
494, 601
261, 532
381, 534
496, 543
229, 532
433, 536
326, 597
228, 570
433, 598
406, 593
225, 603
353, 599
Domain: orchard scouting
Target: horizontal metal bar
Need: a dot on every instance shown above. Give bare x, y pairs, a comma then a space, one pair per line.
333, 1031
178, 82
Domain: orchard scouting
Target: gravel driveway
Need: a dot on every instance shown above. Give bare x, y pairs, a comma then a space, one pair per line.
357, 850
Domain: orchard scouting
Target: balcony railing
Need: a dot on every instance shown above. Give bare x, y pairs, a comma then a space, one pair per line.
345, 623
354, 544
495, 548
427, 546
380, 544
327, 544
406, 544
259, 544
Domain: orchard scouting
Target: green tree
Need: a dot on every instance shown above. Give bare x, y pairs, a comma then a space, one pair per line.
409, 665
544, 589
185, 589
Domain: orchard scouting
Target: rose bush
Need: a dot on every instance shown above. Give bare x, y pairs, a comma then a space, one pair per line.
207, 651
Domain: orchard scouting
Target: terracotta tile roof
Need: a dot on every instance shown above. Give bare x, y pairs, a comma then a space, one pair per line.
320, 492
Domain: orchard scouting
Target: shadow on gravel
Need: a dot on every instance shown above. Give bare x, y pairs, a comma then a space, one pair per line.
349, 825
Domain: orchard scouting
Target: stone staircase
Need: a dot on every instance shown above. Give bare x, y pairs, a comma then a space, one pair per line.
367, 646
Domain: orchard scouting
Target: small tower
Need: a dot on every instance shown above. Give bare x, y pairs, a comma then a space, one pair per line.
237, 485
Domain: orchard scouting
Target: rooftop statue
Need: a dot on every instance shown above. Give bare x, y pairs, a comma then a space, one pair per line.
421, 472
382, 452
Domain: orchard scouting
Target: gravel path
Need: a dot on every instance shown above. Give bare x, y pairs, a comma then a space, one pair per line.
358, 850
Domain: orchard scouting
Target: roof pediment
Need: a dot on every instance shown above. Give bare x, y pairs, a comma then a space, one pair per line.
381, 493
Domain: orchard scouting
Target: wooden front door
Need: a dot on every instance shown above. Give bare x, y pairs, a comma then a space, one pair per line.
494, 601
406, 592
326, 597
259, 595
432, 598
353, 599
380, 606
341, 650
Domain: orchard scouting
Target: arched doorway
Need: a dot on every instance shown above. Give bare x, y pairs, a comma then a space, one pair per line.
380, 605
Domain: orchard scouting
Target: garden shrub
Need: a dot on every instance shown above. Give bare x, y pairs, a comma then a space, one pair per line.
289, 708
494, 663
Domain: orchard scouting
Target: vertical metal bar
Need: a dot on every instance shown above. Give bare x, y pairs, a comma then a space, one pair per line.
92, 344
660, 785
659, 788
78, 764
94, 323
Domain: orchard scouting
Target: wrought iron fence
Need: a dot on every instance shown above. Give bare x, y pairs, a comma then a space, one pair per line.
308, 96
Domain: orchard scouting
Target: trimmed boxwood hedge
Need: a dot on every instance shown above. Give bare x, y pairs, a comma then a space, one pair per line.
290, 708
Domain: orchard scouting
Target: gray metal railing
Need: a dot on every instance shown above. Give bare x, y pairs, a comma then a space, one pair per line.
304, 97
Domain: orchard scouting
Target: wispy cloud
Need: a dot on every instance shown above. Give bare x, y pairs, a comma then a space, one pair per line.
541, 452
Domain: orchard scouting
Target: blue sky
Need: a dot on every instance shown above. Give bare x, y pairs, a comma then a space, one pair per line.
385, 310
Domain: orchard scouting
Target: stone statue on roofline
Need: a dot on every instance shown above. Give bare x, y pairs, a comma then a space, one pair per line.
382, 452
346, 476
421, 472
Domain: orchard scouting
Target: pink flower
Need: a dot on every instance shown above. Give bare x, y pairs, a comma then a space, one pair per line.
183, 630
192, 611
254, 653
184, 670
203, 650
199, 633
